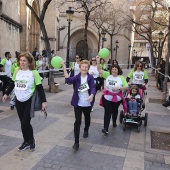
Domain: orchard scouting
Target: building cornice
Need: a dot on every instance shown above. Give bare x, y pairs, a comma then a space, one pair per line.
11, 21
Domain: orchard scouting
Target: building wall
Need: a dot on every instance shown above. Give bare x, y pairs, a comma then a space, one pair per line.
9, 33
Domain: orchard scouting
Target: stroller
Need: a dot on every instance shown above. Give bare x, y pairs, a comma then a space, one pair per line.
128, 118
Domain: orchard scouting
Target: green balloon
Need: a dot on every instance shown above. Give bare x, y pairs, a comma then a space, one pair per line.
56, 62
104, 53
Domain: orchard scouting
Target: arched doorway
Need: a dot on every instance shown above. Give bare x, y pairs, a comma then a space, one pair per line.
80, 47
34, 29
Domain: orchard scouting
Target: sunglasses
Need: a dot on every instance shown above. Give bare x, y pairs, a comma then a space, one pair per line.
93, 60
140, 66
77, 57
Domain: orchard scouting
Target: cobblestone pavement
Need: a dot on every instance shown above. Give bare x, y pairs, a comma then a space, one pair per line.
120, 150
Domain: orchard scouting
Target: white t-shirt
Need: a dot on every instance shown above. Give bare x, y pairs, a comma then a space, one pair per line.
7, 66
94, 70
76, 69
138, 77
24, 83
40, 62
83, 93
110, 83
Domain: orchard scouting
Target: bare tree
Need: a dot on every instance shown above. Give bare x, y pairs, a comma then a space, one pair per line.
40, 20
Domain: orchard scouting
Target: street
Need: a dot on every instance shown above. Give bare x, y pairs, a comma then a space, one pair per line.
119, 150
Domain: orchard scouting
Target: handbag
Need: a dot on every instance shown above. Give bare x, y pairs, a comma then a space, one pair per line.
36, 102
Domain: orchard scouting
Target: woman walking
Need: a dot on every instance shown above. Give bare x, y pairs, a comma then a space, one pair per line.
112, 94
82, 99
24, 81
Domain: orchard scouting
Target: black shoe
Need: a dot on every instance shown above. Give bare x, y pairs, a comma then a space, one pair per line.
25, 145
32, 145
85, 135
76, 146
105, 131
12, 107
114, 124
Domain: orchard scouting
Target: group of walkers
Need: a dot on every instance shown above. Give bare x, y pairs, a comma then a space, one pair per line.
87, 78
86, 85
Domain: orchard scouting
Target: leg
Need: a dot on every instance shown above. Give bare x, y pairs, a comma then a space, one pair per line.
130, 106
86, 112
115, 107
107, 114
78, 115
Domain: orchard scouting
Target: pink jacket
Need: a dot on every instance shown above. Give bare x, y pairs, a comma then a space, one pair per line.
106, 92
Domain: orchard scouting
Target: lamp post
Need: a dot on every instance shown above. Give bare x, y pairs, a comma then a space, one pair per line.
155, 44
160, 34
129, 56
69, 14
117, 42
103, 34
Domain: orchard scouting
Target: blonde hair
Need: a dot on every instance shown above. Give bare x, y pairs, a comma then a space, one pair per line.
137, 63
30, 59
85, 62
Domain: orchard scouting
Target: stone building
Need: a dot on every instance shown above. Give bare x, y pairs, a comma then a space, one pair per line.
20, 30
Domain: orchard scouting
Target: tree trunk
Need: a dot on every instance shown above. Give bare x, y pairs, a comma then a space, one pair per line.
166, 66
111, 47
85, 38
99, 41
48, 48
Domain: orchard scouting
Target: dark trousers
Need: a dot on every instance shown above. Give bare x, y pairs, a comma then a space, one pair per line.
78, 115
110, 109
23, 110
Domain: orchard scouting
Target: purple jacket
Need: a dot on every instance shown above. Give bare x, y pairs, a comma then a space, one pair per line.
76, 81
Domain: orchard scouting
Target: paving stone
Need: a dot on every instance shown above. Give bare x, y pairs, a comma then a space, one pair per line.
149, 165
154, 157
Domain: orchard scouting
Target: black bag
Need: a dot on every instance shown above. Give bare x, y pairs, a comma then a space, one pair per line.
36, 102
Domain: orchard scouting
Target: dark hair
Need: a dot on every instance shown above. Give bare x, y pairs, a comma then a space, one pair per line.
120, 72
17, 54
7, 53
115, 61
52, 51
134, 87
101, 60
137, 63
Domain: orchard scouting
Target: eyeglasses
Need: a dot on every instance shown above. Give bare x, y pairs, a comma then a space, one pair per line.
93, 60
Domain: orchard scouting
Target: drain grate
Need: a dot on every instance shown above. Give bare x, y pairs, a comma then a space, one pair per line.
1, 111
154, 100
160, 140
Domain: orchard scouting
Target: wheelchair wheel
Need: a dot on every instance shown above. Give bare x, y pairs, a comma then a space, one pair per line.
146, 119
143, 106
121, 116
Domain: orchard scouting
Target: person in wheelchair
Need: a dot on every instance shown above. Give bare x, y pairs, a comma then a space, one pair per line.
134, 101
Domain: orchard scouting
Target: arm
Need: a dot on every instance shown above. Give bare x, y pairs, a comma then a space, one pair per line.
64, 69
98, 65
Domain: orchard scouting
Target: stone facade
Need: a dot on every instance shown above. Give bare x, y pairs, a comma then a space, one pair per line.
17, 39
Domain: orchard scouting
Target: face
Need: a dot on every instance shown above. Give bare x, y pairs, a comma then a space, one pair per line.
114, 71
39, 57
84, 68
24, 63
93, 60
139, 67
77, 58
102, 61
134, 91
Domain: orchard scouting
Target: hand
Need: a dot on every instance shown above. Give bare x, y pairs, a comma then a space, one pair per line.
92, 73
90, 98
44, 106
144, 84
62, 62
115, 88
4, 98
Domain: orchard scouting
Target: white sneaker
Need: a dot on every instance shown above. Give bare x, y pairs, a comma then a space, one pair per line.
92, 109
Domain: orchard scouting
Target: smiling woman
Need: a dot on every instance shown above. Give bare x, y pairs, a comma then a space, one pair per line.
82, 99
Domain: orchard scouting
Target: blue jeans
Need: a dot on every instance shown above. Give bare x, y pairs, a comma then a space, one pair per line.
133, 106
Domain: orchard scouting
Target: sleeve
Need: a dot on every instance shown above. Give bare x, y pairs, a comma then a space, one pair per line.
145, 75
92, 86
10, 88
105, 74
71, 80
130, 75
3, 61
137, 96
37, 78
41, 93
124, 82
